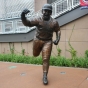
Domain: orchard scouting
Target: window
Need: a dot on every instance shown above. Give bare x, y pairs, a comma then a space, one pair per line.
0, 27
8, 27
19, 26
19, 23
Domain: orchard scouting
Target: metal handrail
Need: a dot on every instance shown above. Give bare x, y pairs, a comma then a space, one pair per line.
10, 9
62, 6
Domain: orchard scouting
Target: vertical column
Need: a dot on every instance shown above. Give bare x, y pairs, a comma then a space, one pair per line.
3, 26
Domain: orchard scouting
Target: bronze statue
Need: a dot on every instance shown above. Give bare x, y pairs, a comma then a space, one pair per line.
46, 25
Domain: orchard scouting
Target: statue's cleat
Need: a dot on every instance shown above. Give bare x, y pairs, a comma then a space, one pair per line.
45, 81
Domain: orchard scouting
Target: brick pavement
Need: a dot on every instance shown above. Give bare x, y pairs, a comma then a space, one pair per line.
16, 75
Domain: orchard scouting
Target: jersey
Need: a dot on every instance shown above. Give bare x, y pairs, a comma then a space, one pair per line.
44, 29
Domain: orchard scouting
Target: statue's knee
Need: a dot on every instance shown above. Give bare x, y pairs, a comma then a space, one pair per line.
35, 55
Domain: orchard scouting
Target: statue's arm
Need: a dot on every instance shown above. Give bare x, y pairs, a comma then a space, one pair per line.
58, 34
25, 21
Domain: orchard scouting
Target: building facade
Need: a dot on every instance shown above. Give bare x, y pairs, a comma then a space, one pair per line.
22, 37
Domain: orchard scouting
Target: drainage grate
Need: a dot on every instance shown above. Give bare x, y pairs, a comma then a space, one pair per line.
11, 67
62, 72
23, 74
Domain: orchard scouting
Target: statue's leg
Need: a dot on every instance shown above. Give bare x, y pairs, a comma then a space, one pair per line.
46, 52
37, 47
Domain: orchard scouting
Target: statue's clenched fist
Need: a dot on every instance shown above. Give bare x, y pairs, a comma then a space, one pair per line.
55, 42
25, 11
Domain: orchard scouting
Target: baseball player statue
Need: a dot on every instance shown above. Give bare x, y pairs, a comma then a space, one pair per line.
45, 26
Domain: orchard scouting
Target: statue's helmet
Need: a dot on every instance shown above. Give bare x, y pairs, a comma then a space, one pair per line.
47, 7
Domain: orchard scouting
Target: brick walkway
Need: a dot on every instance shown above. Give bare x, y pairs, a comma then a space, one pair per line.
15, 75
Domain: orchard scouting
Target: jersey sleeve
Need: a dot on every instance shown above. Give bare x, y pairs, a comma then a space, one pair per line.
34, 21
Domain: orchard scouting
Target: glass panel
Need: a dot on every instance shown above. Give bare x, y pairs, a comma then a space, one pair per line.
75, 2
0, 27
8, 26
19, 23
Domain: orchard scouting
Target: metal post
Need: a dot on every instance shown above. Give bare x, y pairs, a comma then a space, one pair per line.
5, 8
72, 4
55, 9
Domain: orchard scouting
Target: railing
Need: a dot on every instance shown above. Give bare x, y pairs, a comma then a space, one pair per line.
10, 9
59, 7
62, 6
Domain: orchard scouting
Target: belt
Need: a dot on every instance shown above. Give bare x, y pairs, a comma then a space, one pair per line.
43, 39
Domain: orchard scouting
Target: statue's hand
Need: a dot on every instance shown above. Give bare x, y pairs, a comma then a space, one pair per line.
25, 11
55, 42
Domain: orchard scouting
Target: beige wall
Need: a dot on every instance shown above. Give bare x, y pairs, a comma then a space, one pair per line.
79, 40
39, 4
5, 48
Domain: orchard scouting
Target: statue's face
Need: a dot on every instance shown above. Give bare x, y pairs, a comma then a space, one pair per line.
46, 14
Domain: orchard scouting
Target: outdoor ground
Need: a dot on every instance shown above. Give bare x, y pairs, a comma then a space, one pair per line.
16, 75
